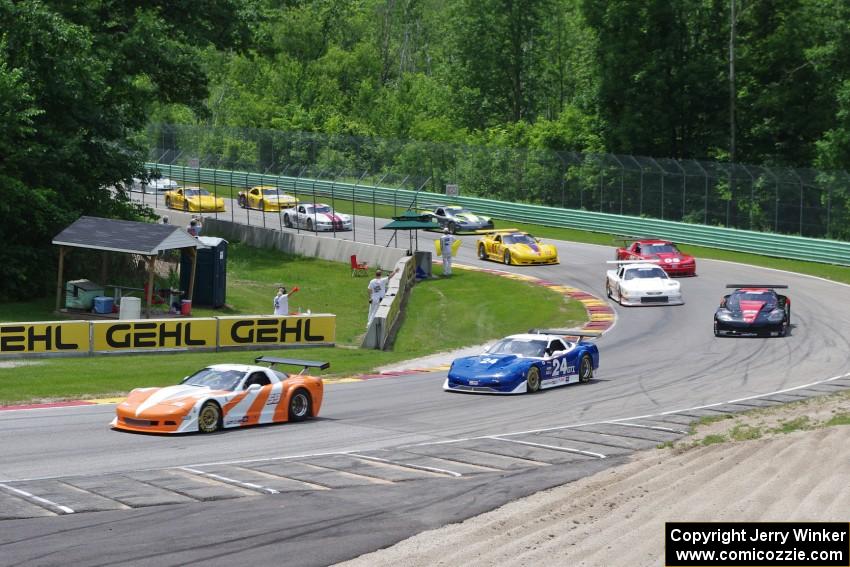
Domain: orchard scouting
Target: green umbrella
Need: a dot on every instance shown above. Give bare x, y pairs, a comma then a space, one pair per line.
411, 220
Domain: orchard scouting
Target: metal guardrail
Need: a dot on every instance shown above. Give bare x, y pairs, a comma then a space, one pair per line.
767, 244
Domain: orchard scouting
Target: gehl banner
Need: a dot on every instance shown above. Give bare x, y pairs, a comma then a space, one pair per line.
91, 337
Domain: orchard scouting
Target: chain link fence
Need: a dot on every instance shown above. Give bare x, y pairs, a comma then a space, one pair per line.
805, 202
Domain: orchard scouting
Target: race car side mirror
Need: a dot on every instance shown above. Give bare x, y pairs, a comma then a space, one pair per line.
254, 387
723, 300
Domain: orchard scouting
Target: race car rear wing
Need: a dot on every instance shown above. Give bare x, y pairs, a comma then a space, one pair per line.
580, 333
647, 261
627, 239
756, 286
497, 231
271, 361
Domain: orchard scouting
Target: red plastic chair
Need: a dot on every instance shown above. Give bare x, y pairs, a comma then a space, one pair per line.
358, 268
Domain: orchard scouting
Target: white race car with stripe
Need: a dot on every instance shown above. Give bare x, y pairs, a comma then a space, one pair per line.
642, 283
315, 217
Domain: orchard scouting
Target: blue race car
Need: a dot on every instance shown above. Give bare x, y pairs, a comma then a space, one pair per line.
526, 363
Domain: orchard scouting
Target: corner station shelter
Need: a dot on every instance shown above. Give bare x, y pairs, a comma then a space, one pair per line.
125, 237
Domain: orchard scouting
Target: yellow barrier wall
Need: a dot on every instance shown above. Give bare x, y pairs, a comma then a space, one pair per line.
153, 334
277, 331
59, 337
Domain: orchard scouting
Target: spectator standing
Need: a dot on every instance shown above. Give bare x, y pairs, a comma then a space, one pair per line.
192, 229
199, 224
376, 290
281, 300
446, 242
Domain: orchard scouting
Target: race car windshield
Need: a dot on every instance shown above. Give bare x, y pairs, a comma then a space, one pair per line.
457, 211
523, 348
321, 209
734, 301
271, 192
659, 249
638, 273
215, 379
196, 192
519, 239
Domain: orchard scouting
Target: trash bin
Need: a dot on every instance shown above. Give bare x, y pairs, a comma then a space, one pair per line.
186, 307
103, 304
131, 308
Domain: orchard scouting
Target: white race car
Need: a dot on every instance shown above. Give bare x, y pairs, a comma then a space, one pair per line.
160, 185
642, 283
315, 217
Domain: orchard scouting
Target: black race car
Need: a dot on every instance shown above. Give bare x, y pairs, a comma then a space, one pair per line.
753, 310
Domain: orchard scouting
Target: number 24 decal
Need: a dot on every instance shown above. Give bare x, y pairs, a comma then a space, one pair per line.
562, 367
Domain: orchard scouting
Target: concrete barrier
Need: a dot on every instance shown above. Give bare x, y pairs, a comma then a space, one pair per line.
304, 244
385, 323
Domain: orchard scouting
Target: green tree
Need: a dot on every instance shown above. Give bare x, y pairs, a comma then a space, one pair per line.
80, 79
662, 74
784, 103
496, 50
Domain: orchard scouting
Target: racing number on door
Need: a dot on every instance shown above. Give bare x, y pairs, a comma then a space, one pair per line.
562, 366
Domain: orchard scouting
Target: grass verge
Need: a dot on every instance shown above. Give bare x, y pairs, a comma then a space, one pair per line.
805, 415
438, 318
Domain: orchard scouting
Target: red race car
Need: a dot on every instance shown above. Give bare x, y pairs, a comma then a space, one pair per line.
662, 252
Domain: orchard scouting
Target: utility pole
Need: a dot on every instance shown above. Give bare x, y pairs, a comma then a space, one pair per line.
732, 96
732, 156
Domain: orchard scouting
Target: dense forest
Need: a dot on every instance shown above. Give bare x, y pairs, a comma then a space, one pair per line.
648, 78
743, 81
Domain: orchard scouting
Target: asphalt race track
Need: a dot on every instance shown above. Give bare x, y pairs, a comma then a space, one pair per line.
391, 457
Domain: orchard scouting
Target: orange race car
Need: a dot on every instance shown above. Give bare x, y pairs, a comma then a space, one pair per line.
224, 395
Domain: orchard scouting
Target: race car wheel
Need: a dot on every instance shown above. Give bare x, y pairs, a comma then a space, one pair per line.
186, 206
309, 224
482, 253
716, 332
299, 405
452, 228
608, 290
287, 222
209, 418
507, 257
585, 369
167, 203
532, 380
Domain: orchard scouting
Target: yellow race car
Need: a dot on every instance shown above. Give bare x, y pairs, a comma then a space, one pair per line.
194, 199
515, 247
266, 198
